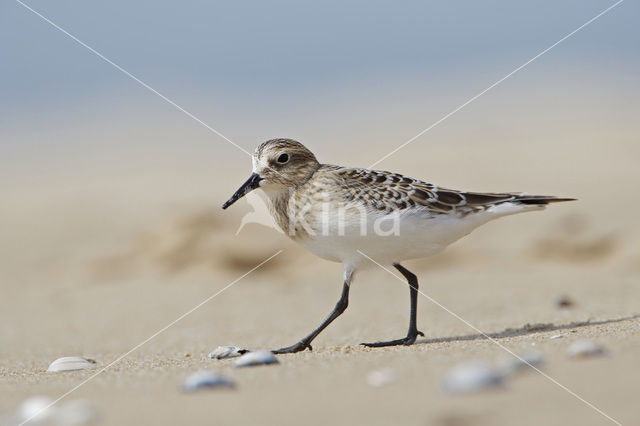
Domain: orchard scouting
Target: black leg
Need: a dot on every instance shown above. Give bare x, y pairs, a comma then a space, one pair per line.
413, 332
306, 341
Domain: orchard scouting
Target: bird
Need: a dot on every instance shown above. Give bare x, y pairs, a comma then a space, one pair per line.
353, 215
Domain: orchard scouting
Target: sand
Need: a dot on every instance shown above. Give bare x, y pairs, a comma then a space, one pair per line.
95, 268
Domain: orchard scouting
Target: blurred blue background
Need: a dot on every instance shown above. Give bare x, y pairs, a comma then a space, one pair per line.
352, 80
255, 70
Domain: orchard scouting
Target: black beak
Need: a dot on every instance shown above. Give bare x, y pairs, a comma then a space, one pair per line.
252, 183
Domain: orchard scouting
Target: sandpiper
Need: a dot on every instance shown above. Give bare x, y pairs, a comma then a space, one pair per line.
339, 213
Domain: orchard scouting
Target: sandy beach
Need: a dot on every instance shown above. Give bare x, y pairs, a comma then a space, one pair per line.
121, 139
123, 274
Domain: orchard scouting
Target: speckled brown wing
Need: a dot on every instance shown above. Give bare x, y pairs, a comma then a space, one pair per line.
386, 192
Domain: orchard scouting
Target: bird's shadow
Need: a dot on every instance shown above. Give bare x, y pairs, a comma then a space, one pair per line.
525, 330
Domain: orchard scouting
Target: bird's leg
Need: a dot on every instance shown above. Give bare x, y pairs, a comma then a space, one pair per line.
306, 341
413, 332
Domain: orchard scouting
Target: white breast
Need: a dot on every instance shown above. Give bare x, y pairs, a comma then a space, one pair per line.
388, 239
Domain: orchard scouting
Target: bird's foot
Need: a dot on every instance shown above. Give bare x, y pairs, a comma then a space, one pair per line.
300, 346
409, 340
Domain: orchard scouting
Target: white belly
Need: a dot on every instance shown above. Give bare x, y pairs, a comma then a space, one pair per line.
415, 235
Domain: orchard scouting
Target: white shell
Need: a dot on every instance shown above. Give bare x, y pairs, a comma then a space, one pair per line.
255, 358
41, 410
35, 409
382, 377
222, 352
70, 363
512, 364
471, 376
585, 349
206, 379
558, 336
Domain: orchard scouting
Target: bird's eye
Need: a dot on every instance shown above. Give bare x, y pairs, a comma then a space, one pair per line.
283, 158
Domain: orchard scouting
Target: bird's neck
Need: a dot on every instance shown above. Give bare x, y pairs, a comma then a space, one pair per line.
278, 202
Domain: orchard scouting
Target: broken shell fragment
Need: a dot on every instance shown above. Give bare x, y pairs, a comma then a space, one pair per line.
382, 377
71, 363
222, 352
471, 376
206, 379
585, 349
255, 358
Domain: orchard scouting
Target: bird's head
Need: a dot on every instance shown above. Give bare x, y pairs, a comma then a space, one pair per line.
278, 166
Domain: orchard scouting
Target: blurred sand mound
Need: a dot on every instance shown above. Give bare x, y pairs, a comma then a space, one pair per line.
199, 240
574, 240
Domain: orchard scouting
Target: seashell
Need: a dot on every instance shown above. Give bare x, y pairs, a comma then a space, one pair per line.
206, 379
564, 302
36, 409
585, 349
41, 410
558, 336
222, 352
256, 358
382, 377
471, 376
512, 364
70, 363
